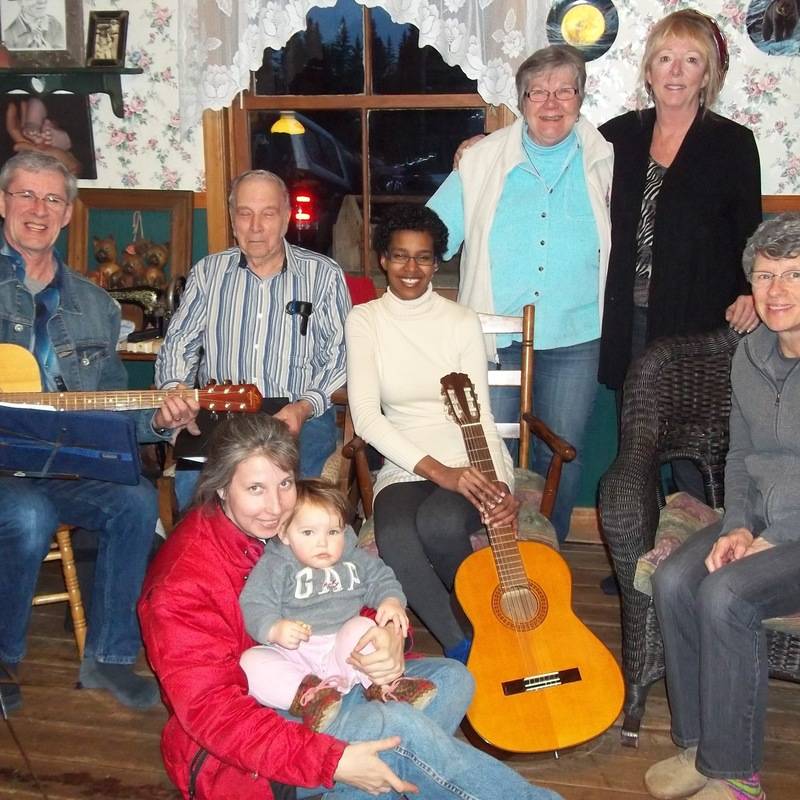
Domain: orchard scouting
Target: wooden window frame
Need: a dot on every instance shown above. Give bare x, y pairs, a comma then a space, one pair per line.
239, 122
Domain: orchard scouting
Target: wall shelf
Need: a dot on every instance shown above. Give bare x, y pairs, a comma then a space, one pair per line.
78, 80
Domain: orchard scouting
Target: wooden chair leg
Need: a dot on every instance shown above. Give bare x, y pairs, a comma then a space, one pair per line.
64, 540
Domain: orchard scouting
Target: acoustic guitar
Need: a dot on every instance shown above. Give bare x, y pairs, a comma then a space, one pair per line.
20, 382
544, 681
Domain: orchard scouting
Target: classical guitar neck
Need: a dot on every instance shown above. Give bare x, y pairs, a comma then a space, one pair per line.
96, 401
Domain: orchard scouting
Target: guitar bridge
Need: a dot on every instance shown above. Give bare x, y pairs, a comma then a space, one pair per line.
534, 683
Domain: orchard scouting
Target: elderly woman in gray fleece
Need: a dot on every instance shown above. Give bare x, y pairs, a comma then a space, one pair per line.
714, 592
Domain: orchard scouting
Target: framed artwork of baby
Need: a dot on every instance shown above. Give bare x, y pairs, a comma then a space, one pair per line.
57, 124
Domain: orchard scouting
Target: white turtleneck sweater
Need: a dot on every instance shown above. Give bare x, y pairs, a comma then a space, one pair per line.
397, 353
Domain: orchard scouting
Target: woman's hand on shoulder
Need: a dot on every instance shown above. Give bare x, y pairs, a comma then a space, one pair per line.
741, 314
361, 766
385, 662
465, 145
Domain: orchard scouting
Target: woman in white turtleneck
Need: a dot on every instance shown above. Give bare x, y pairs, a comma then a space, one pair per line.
428, 499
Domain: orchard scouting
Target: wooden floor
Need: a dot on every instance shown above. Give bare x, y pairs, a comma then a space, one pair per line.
81, 744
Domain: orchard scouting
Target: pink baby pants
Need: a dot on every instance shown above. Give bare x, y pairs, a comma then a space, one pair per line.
274, 673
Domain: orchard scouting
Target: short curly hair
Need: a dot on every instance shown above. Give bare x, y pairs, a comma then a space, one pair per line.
410, 217
776, 238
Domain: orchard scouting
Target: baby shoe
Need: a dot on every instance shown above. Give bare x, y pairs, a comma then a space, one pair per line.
417, 692
316, 702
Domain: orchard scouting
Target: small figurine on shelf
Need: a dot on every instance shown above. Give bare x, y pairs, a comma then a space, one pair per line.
155, 260
132, 267
108, 272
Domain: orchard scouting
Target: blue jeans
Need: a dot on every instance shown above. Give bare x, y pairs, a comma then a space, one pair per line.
441, 766
125, 519
716, 647
316, 443
564, 391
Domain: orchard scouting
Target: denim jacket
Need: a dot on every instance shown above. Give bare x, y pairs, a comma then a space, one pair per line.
84, 332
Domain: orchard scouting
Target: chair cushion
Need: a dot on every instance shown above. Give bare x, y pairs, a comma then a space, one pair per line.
682, 516
533, 526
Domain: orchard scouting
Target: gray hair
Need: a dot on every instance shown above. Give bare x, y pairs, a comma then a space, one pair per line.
546, 60
777, 237
34, 161
236, 439
262, 174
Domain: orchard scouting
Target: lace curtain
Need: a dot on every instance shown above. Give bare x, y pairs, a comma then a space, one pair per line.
221, 41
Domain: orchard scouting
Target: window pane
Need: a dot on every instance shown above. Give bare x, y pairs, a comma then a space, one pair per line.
411, 151
321, 164
326, 58
401, 67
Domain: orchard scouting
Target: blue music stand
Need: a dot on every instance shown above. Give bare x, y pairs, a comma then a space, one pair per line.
100, 445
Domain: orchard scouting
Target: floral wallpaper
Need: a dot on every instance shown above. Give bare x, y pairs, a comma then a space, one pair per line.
148, 150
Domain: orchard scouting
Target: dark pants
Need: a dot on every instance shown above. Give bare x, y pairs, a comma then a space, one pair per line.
422, 532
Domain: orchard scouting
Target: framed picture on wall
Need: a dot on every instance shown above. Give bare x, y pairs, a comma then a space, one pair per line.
175, 207
105, 46
59, 121
43, 33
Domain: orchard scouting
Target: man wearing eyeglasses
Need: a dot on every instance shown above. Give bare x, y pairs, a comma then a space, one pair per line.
71, 327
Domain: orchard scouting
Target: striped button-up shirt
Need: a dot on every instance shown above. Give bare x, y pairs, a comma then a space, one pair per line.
233, 325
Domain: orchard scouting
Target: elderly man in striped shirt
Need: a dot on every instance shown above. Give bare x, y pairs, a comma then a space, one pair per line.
263, 312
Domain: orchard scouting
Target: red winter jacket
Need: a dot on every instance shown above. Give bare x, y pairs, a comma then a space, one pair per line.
218, 738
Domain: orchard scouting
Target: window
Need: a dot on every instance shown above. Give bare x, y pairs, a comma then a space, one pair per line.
355, 116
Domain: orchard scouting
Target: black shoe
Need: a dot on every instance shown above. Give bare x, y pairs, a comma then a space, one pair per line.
10, 693
132, 690
610, 585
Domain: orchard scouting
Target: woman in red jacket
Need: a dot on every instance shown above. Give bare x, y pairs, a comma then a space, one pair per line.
219, 742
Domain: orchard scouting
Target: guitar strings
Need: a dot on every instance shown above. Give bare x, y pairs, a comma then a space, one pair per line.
517, 592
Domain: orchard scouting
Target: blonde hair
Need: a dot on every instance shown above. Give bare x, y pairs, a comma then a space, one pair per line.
688, 24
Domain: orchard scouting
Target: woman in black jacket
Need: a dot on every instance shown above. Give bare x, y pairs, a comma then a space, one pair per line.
686, 195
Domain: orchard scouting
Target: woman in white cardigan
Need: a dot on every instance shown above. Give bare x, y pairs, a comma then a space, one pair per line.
530, 203
428, 499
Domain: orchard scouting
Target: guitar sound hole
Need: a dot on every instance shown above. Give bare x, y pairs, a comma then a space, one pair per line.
522, 608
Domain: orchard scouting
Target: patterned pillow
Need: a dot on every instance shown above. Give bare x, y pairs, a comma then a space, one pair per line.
682, 516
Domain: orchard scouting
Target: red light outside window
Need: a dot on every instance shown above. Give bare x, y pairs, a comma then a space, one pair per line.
303, 210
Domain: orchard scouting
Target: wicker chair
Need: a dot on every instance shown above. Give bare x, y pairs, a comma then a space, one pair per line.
676, 405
